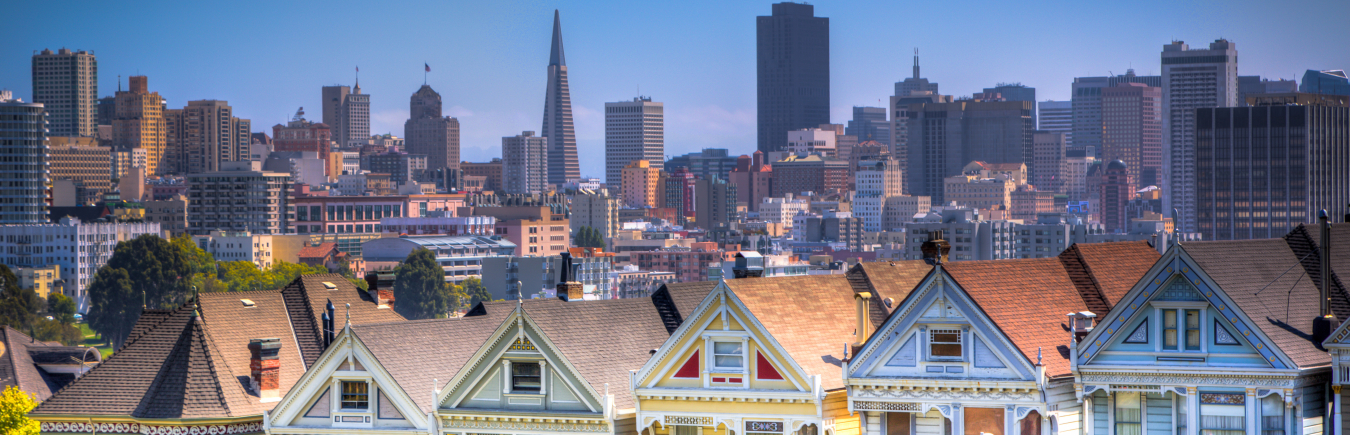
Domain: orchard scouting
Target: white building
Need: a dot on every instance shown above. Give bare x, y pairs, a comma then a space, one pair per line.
524, 163
1191, 79
875, 180
634, 130
1056, 116
596, 209
351, 184
437, 223
79, 248
1076, 164
238, 246
782, 210
461, 257
810, 141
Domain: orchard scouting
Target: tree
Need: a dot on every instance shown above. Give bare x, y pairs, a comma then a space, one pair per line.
61, 307
477, 292
588, 237
18, 306
420, 287
53, 330
14, 407
200, 260
147, 268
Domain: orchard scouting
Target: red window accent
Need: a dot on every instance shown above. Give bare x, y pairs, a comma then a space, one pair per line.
764, 370
690, 368
734, 380
719, 379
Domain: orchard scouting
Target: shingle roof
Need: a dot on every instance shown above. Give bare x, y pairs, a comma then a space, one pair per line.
317, 251
308, 296
423, 355
1104, 272
172, 369
1254, 273
887, 280
231, 325
1306, 241
1027, 300
16, 364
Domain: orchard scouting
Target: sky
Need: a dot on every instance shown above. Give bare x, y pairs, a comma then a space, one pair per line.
489, 58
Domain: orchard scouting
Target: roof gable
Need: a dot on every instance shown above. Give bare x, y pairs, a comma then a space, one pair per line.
312, 401
1177, 280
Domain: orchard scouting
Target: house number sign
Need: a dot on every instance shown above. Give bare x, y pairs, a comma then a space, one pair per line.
764, 426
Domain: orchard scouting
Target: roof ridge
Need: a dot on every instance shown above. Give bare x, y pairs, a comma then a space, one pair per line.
196, 324
1075, 254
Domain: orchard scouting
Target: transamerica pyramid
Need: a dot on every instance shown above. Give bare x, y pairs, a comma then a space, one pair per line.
562, 138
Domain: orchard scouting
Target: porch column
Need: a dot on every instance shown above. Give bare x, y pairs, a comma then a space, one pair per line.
1089, 421
958, 419
1192, 411
1336, 409
872, 422
1253, 423
1009, 420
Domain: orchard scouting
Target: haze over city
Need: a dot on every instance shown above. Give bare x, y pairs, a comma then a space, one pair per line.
488, 59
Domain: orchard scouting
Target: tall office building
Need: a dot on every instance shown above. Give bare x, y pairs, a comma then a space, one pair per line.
716, 203
1087, 107
876, 179
1262, 170
524, 163
333, 99
1048, 169
793, 67
1191, 79
428, 133
639, 185
909, 91
1132, 130
204, 134
1252, 85
1055, 116
354, 116
944, 137
915, 84
1116, 190
66, 84
23, 177
634, 130
1015, 92
869, 123
558, 129
1332, 82
85, 164
140, 124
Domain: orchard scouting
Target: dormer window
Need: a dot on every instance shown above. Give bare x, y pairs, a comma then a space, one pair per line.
525, 378
944, 344
728, 355
1181, 329
355, 395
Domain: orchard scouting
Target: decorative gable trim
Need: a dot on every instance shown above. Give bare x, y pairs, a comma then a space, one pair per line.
342, 360
1177, 264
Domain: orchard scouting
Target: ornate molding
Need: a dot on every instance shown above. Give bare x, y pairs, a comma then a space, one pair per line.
945, 394
149, 429
581, 426
702, 396
1193, 379
886, 406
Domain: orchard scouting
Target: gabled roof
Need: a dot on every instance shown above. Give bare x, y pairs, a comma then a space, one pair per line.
1027, 299
1306, 241
231, 324
1104, 272
422, 355
893, 279
19, 356
317, 251
1254, 274
171, 370
308, 296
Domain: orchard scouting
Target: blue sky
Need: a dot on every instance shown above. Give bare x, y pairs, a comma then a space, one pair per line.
489, 58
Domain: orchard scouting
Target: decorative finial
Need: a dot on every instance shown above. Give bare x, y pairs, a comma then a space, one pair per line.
1038, 355
196, 305
349, 315
520, 299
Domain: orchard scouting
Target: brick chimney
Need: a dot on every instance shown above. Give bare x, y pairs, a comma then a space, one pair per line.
265, 368
568, 290
935, 249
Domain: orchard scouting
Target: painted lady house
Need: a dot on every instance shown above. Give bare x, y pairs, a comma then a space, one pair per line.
980, 347
540, 367
758, 356
1219, 338
214, 365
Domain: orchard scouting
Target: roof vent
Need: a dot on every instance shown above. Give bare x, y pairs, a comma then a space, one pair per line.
247, 302
329, 285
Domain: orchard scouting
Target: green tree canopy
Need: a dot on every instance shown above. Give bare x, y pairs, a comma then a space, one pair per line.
146, 267
588, 237
200, 260
61, 307
18, 306
476, 291
14, 407
420, 290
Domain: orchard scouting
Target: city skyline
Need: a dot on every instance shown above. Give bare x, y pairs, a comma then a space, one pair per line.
709, 91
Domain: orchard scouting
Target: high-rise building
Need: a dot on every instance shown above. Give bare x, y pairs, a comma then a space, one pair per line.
204, 134
1132, 130
558, 129
428, 133
354, 119
239, 197
876, 180
812, 173
490, 171
910, 91
82, 161
705, 164
66, 84
915, 85
1047, 169
1056, 116
680, 188
1332, 82
640, 184
1116, 192
1087, 107
140, 124
1015, 92
1252, 85
595, 209
944, 137
716, 203
869, 123
1191, 79
302, 135
753, 178
634, 130
333, 99
793, 68
1262, 170
23, 173
1076, 166
524, 163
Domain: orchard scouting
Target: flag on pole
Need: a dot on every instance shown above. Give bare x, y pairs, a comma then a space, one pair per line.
428, 67
358, 69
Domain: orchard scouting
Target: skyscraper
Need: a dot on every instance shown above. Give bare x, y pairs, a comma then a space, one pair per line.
634, 130
140, 124
66, 84
1262, 170
354, 116
1015, 92
1116, 191
1250, 85
1049, 168
1132, 130
203, 135
944, 137
23, 177
524, 163
909, 91
428, 133
1087, 107
333, 99
793, 67
915, 83
869, 123
558, 130
1191, 79
1332, 82
1056, 116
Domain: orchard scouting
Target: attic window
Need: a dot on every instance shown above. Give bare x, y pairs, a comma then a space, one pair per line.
247, 302
944, 344
329, 285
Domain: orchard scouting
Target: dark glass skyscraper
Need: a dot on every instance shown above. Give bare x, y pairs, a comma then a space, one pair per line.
793, 66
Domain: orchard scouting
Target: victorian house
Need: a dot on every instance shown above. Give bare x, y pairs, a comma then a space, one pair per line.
214, 365
1218, 338
981, 347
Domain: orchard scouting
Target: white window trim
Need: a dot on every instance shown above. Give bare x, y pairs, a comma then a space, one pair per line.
508, 382
710, 359
1157, 333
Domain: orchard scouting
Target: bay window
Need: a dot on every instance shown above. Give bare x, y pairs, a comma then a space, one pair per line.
1223, 414
1272, 415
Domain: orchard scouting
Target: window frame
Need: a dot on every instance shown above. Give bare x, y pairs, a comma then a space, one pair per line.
342, 396
714, 354
960, 344
1182, 329
538, 376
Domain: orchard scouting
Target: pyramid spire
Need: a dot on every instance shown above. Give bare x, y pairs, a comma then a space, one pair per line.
555, 56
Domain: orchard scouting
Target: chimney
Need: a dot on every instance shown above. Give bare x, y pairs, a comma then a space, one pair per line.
1080, 324
1325, 322
328, 330
935, 249
863, 329
569, 290
265, 368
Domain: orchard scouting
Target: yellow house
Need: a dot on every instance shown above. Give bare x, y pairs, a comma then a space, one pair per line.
757, 356
41, 279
